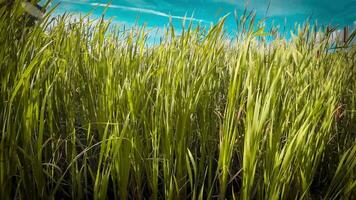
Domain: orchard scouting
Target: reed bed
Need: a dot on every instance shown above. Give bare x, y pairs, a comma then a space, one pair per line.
90, 111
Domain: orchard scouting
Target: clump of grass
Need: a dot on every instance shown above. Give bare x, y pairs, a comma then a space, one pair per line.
91, 111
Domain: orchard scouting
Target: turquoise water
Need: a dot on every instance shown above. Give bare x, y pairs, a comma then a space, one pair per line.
155, 13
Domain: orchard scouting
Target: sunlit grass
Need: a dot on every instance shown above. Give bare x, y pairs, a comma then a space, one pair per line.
91, 111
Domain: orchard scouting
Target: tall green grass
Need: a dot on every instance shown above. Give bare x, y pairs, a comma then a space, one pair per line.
91, 111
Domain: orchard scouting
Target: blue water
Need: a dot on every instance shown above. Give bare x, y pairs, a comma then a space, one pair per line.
155, 13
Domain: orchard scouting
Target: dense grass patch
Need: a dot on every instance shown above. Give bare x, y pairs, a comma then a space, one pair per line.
91, 111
